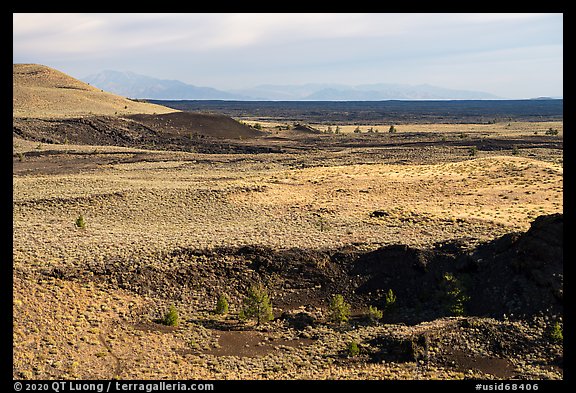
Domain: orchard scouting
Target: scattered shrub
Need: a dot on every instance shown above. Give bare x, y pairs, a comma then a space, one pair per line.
392, 129
339, 309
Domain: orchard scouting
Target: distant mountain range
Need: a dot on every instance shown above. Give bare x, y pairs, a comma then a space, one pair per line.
371, 92
129, 84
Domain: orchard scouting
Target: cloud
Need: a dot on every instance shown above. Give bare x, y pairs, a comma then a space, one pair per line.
38, 25
94, 33
233, 49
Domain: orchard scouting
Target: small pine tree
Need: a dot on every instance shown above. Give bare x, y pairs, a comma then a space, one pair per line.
390, 299
556, 335
374, 314
80, 222
392, 129
322, 224
171, 317
353, 349
455, 294
339, 309
257, 305
222, 305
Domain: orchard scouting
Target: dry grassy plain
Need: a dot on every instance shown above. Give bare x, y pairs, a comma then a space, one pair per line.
142, 205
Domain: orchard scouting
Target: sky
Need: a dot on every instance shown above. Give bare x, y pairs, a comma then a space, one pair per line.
510, 55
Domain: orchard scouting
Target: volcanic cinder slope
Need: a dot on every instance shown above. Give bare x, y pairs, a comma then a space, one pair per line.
40, 91
52, 107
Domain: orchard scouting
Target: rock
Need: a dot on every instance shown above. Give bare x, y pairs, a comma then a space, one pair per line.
298, 321
379, 213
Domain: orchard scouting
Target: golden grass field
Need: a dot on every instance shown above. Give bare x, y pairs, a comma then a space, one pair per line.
259, 200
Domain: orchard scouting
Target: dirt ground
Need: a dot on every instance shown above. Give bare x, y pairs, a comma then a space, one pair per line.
179, 226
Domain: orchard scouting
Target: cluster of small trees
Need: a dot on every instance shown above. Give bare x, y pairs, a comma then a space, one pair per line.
339, 309
357, 130
258, 306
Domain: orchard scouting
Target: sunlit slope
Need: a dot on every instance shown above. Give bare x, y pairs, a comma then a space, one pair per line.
43, 92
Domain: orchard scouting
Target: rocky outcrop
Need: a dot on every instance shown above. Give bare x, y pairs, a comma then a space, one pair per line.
517, 274
520, 273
